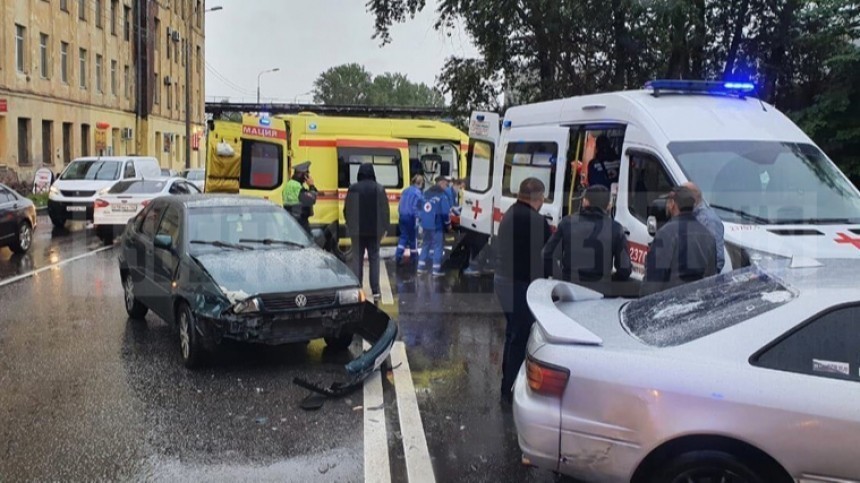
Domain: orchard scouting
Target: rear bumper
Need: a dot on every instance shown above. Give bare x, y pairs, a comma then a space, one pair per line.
538, 426
71, 210
282, 328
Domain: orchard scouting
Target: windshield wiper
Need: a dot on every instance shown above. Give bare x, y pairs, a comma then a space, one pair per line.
270, 241
743, 214
220, 244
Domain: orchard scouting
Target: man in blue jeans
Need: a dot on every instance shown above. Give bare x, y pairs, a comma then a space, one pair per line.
434, 214
523, 233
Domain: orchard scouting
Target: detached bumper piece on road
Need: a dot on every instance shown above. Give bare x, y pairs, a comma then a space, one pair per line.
377, 328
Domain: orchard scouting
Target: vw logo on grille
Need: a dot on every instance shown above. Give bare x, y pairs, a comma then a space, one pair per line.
301, 300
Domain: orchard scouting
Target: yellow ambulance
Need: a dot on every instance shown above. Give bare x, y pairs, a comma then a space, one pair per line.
255, 157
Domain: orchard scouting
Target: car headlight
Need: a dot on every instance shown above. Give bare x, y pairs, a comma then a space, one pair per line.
54, 191
350, 296
744, 257
248, 306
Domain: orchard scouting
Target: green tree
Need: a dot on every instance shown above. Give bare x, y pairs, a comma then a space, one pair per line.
352, 84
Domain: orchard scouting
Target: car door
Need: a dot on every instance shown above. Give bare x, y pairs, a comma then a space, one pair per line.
644, 178
165, 263
815, 369
8, 216
144, 254
477, 214
533, 152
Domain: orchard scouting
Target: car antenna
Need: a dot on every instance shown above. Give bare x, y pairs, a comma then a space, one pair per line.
761, 102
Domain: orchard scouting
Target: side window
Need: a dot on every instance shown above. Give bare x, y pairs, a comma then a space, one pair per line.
386, 165
129, 170
150, 221
530, 160
648, 181
192, 189
170, 223
824, 347
6, 196
262, 165
480, 166
179, 188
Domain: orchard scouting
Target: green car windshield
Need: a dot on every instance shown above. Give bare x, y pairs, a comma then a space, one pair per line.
213, 227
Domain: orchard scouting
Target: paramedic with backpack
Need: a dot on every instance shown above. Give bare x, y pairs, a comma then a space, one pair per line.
434, 214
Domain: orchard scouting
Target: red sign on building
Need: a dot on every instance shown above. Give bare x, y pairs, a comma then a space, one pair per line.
4, 105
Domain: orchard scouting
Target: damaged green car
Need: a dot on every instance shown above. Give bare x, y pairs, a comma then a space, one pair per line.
230, 267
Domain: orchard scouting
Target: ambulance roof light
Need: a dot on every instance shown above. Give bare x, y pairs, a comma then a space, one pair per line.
507, 124
739, 89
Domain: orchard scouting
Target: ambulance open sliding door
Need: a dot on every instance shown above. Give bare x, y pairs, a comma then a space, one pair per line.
534, 152
590, 145
477, 213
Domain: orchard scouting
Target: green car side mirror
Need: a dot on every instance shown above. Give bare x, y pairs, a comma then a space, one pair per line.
165, 242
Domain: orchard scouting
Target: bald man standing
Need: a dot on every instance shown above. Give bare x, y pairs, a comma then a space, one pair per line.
707, 217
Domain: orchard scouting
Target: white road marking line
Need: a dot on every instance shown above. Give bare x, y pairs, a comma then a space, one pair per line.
419, 468
384, 283
59, 264
377, 468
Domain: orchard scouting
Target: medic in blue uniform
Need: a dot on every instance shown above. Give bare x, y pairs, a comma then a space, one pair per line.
435, 220
411, 201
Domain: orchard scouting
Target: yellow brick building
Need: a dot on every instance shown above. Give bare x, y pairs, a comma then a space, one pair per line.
89, 77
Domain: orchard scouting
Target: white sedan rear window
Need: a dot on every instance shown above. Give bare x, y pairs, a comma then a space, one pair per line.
695, 310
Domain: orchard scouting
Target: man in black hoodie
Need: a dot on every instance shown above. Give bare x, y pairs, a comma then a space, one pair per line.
367, 217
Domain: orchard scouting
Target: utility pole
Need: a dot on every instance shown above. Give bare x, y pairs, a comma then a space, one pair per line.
189, 23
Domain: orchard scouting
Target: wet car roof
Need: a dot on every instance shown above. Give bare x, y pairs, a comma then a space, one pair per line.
210, 201
832, 274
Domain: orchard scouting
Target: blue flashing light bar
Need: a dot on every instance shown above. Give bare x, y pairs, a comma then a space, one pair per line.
507, 124
706, 87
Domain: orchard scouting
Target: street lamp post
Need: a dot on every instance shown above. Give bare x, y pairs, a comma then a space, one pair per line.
276, 69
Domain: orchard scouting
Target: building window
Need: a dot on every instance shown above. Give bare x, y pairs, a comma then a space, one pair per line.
157, 38
82, 10
99, 68
99, 13
85, 139
126, 23
199, 58
177, 96
114, 6
24, 141
167, 44
64, 62
64, 5
20, 34
113, 79
67, 142
156, 88
126, 79
169, 97
82, 67
44, 58
199, 13
47, 142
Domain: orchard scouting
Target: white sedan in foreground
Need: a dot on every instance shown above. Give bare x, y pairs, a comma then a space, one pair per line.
128, 198
750, 376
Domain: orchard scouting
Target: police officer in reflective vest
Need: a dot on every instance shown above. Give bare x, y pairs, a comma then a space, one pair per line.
300, 195
434, 215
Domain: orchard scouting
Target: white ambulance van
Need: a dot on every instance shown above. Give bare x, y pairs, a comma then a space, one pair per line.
777, 193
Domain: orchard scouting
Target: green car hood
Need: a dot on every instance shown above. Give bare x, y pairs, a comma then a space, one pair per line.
241, 274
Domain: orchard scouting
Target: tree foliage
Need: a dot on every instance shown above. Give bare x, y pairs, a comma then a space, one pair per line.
352, 84
533, 50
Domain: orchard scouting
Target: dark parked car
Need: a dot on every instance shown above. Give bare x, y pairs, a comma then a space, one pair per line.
17, 220
229, 267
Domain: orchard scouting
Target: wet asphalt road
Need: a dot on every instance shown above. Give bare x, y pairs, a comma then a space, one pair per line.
89, 395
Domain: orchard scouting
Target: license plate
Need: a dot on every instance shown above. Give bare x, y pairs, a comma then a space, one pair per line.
126, 208
76, 208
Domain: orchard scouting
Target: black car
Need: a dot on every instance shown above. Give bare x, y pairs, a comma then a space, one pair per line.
230, 267
17, 220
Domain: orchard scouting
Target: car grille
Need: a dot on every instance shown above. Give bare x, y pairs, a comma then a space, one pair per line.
78, 194
288, 301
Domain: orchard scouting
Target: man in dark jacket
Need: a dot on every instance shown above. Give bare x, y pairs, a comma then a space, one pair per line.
367, 217
591, 243
522, 234
683, 250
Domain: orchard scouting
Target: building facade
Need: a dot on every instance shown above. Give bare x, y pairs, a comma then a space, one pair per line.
100, 77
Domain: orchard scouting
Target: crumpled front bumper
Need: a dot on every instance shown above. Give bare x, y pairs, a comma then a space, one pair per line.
282, 328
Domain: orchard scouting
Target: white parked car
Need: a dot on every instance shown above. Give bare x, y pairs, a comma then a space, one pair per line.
74, 193
127, 198
749, 376
196, 176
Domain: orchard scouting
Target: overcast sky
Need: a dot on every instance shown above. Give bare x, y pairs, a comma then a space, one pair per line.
305, 37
